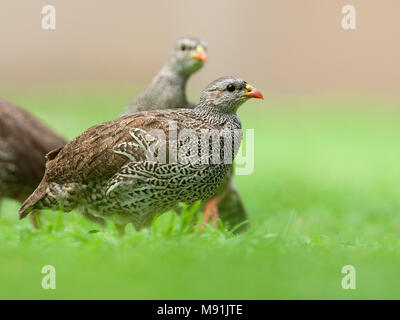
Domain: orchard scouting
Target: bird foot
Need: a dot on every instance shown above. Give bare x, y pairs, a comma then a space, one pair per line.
121, 229
35, 220
210, 214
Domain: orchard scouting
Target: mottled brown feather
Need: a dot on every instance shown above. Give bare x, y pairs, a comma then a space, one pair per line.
91, 156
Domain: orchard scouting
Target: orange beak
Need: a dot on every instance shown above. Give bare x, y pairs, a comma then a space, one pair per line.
200, 54
252, 93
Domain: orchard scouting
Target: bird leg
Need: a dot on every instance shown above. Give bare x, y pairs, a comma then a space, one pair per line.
35, 219
91, 217
210, 213
120, 229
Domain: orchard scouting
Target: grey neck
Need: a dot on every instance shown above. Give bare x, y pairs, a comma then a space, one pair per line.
211, 114
169, 77
168, 88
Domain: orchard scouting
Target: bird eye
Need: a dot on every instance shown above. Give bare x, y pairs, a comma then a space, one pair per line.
230, 88
183, 47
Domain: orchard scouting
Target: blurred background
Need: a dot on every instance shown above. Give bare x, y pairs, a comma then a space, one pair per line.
325, 190
281, 46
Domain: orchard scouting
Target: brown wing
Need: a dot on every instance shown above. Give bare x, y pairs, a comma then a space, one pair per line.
92, 154
24, 142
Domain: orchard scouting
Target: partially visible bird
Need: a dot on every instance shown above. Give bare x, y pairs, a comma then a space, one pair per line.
24, 142
106, 170
168, 88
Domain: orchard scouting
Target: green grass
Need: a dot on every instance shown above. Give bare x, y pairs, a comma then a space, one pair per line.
325, 193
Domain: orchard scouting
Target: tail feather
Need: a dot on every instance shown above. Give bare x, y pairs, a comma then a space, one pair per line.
33, 199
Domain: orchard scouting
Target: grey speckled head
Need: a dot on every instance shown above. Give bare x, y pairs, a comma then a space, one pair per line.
226, 94
188, 56
168, 88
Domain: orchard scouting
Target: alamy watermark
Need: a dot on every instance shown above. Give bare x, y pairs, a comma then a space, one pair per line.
349, 19
48, 17
349, 280
190, 146
49, 280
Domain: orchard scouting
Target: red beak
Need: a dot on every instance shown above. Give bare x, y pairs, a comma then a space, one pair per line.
200, 54
253, 93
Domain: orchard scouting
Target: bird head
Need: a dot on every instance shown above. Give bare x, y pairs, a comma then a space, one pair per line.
225, 95
189, 55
